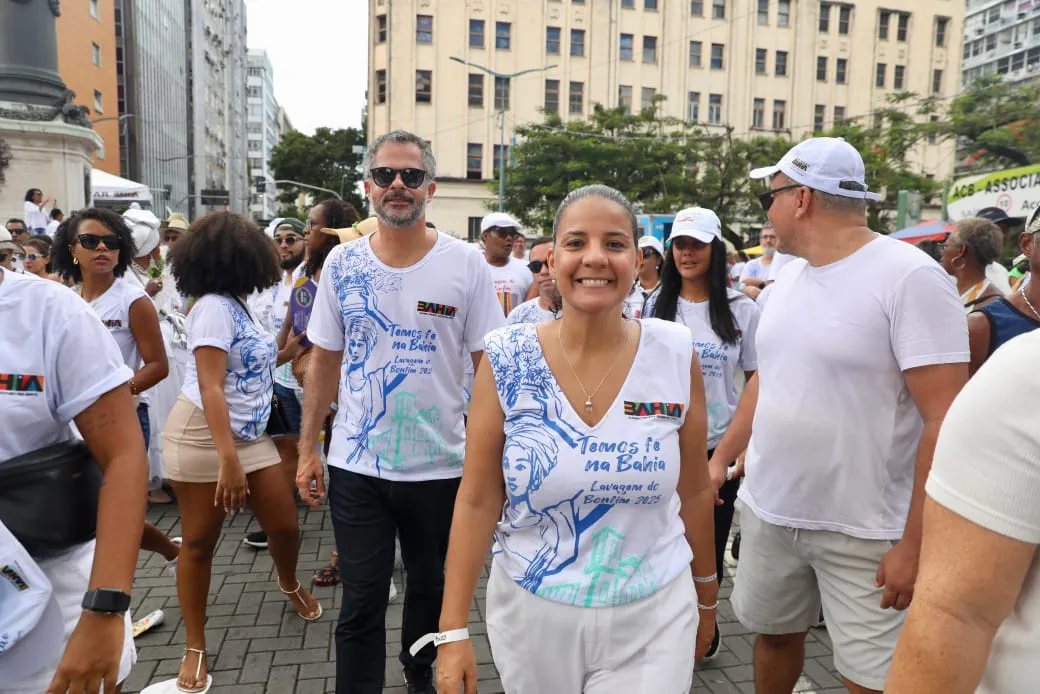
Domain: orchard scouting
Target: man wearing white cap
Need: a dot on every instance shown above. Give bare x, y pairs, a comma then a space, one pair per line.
651, 257
512, 277
861, 352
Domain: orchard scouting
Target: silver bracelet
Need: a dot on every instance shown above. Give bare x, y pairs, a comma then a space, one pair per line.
708, 607
705, 579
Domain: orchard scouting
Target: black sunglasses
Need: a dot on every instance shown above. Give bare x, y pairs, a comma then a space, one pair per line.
383, 176
504, 232
766, 198
91, 241
536, 266
288, 240
647, 252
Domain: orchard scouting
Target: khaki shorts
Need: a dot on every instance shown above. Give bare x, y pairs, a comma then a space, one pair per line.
189, 454
785, 573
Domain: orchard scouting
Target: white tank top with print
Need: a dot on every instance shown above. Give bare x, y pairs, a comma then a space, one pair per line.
592, 516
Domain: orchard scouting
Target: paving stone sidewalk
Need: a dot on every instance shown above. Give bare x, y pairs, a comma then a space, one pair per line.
258, 645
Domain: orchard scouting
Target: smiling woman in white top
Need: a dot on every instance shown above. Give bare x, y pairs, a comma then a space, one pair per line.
723, 322
585, 459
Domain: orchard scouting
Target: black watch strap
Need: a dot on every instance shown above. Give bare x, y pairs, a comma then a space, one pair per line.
106, 601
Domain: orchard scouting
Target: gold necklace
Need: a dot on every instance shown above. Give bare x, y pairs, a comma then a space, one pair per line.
588, 395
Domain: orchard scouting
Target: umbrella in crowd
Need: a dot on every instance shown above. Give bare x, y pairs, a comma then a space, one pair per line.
925, 231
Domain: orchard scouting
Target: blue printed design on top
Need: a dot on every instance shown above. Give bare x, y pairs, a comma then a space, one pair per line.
258, 354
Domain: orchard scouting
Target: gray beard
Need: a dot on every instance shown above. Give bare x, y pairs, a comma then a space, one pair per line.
404, 220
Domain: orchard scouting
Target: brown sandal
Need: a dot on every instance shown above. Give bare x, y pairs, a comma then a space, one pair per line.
327, 575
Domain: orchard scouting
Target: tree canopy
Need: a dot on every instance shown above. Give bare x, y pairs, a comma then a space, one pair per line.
325, 159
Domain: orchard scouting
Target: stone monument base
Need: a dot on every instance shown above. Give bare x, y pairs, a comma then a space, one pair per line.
54, 156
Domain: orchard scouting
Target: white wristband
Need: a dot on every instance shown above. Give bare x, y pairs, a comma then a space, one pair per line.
731, 471
439, 639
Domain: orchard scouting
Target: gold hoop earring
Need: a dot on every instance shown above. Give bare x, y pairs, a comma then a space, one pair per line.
955, 266
75, 260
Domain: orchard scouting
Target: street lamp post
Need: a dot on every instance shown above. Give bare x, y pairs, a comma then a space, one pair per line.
502, 117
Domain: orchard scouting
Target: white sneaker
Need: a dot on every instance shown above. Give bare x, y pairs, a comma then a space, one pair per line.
393, 590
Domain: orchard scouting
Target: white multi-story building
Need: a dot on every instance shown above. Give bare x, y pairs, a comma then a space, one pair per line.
782, 67
1002, 37
263, 131
217, 75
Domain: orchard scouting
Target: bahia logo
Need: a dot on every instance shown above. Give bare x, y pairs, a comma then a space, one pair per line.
434, 309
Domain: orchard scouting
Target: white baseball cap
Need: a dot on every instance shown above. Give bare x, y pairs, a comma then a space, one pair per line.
32, 631
652, 242
499, 219
827, 164
698, 223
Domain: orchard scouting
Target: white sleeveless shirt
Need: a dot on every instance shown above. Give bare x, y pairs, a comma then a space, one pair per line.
592, 516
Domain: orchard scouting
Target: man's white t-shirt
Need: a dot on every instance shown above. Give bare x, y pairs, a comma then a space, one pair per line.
999, 277
530, 311
56, 360
283, 374
755, 269
512, 282
779, 261
987, 470
406, 334
113, 308
219, 321
720, 360
835, 429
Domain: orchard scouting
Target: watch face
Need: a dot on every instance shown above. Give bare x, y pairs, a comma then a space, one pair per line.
106, 600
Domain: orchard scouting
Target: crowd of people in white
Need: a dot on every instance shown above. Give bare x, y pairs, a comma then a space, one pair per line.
593, 410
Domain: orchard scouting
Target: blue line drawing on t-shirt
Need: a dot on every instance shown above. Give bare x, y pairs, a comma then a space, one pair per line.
366, 382
533, 438
256, 381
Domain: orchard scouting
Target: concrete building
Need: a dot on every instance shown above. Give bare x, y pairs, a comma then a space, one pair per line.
263, 131
1002, 37
87, 64
152, 72
761, 66
217, 94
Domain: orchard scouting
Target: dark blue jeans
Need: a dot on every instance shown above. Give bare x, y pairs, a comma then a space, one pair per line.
146, 428
367, 513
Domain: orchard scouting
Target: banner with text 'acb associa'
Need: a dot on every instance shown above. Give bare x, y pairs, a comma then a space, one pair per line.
1016, 191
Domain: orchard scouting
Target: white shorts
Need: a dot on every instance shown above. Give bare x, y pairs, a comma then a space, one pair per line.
785, 573
69, 575
542, 646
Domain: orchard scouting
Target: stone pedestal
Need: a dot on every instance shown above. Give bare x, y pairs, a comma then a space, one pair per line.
54, 156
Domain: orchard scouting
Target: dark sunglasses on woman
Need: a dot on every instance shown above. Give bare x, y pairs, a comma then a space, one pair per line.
91, 241
383, 176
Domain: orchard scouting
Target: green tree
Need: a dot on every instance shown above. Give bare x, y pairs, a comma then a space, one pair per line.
325, 159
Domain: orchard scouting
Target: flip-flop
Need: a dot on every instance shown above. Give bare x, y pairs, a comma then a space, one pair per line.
170, 687
148, 622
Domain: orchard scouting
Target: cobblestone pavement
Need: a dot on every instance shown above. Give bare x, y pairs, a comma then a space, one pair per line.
257, 644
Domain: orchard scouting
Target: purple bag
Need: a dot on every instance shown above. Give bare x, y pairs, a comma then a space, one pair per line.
300, 304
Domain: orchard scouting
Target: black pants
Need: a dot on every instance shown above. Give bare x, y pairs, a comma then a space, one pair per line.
724, 521
367, 513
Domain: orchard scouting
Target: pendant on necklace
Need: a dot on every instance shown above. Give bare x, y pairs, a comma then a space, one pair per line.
588, 405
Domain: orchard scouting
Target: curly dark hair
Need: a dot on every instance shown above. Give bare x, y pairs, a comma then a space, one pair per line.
224, 253
68, 233
336, 214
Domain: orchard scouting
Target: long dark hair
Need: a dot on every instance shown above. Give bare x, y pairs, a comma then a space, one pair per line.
720, 313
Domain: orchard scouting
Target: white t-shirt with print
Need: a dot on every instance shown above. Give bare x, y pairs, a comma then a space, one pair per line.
113, 308
835, 430
634, 302
219, 321
530, 311
720, 360
512, 282
592, 515
406, 335
283, 374
987, 469
755, 269
56, 360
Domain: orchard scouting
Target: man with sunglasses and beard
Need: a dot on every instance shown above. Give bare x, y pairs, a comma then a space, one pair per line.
511, 275
396, 315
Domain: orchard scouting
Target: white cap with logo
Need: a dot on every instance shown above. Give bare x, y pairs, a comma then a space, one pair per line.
651, 242
827, 164
499, 219
698, 223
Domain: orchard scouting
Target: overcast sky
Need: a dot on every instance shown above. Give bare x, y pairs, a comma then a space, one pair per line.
319, 52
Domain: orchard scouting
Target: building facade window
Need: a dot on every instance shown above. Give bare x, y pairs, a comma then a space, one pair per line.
423, 28
839, 115
380, 86
473, 229
844, 19
624, 97
783, 13
99, 102
718, 9
501, 93
381, 28
695, 53
578, 43
819, 113
715, 109
476, 33
627, 50
650, 49
841, 71
932, 138
500, 157
628, 4
879, 77
941, 24
423, 86
897, 77
476, 91
552, 40
781, 64
696, 8
779, 114
763, 12
760, 61
576, 98
647, 101
821, 69
937, 79
693, 107
883, 21
474, 161
758, 114
503, 35
903, 27
95, 54
94, 9
552, 96
825, 18
716, 56
650, 5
